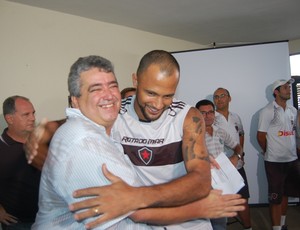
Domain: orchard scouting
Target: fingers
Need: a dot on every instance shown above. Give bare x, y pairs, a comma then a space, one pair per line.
96, 222
100, 220
10, 219
214, 163
40, 129
88, 203
92, 191
32, 144
91, 212
32, 155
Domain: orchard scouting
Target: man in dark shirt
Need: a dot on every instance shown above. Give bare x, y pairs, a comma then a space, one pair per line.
19, 182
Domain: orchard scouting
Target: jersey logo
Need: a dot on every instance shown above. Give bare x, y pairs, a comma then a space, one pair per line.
286, 133
145, 155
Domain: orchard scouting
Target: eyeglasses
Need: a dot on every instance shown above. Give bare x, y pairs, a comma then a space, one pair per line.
220, 96
204, 113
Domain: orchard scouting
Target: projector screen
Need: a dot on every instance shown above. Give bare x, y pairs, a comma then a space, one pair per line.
247, 72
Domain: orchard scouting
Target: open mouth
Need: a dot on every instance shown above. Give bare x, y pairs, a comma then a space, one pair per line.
107, 106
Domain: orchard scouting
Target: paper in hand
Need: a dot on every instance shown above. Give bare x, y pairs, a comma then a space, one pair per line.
227, 178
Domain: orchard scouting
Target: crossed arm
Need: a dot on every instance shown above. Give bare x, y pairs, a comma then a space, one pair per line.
178, 192
215, 205
192, 187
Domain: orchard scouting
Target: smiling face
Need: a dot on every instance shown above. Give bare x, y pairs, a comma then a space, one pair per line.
100, 97
155, 92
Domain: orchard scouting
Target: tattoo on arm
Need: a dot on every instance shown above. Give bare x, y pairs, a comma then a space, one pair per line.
193, 142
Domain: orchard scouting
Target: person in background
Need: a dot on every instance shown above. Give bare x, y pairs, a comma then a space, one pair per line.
216, 139
276, 135
231, 122
19, 182
126, 92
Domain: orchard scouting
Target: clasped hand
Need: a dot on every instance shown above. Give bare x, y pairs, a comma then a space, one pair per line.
110, 201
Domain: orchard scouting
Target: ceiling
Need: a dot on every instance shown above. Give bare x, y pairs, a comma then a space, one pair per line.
223, 22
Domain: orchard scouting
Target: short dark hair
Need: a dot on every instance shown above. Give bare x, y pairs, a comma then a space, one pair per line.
164, 59
84, 64
204, 102
126, 90
226, 90
9, 105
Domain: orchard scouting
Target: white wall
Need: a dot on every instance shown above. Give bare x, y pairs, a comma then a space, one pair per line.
38, 46
247, 72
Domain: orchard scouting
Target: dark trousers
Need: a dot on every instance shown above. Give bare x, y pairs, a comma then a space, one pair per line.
17, 226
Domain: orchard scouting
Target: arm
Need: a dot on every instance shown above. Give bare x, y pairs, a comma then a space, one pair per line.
191, 187
36, 146
262, 140
242, 140
232, 144
215, 205
241, 132
238, 154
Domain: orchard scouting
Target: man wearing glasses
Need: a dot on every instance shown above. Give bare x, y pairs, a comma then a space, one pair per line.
232, 123
216, 139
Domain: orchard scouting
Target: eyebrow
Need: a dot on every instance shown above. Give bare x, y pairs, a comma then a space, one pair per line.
101, 84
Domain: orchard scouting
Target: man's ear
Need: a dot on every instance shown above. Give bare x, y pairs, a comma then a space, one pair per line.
134, 80
9, 118
74, 101
276, 91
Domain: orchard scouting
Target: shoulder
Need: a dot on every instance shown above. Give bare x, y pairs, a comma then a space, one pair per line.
268, 108
235, 115
193, 116
293, 109
125, 104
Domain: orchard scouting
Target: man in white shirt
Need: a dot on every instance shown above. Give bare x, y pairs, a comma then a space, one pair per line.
81, 145
216, 139
276, 136
232, 123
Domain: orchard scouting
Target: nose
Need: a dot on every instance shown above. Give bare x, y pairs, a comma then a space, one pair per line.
108, 93
32, 117
159, 103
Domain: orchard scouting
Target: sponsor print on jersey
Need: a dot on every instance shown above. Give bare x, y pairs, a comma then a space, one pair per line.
286, 133
143, 141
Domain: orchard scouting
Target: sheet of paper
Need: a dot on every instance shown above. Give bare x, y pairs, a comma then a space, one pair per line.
227, 178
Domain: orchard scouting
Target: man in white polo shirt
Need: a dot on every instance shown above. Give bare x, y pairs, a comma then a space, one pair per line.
231, 122
276, 136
